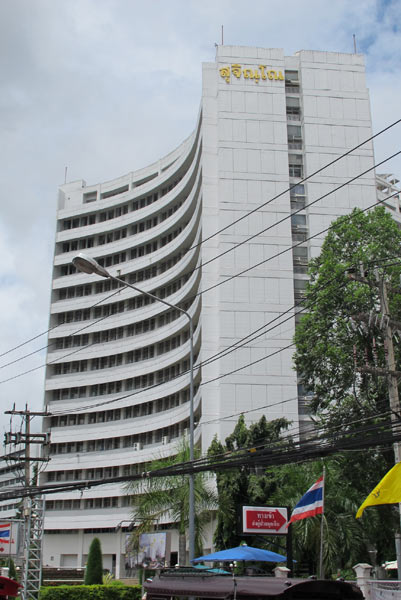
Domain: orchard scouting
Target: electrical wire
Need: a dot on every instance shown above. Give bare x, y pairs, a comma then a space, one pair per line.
245, 270
250, 213
301, 452
207, 361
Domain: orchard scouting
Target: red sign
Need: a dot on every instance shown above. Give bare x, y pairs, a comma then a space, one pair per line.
264, 519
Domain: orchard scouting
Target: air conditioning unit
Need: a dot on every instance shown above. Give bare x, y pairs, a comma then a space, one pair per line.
297, 259
165, 440
137, 446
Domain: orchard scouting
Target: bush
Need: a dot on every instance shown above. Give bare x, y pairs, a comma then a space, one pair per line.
12, 572
94, 566
91, 592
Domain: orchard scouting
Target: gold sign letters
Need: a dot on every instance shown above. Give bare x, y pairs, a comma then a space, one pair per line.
255, 74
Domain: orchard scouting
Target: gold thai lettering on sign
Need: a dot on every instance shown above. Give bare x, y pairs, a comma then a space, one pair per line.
258, 73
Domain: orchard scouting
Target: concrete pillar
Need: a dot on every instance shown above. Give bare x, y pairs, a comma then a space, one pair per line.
363, 571
80, 547
118, 554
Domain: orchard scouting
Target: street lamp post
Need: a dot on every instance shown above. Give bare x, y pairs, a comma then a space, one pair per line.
87, 264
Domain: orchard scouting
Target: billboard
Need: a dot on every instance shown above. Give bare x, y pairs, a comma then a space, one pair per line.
153, 551
264, 519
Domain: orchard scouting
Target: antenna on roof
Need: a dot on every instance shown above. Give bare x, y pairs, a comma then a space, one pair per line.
65, 174
222, 35
354, 37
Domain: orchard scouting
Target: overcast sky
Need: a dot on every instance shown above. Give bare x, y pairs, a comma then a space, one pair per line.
104, 87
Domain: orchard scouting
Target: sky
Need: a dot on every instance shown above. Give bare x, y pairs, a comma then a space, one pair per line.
104, 87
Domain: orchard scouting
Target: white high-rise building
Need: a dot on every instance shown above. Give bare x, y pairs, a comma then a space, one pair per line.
117, 381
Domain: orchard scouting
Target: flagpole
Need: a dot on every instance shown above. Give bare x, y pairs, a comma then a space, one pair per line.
321, 571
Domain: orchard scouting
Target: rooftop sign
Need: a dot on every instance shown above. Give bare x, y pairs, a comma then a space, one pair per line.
258, 73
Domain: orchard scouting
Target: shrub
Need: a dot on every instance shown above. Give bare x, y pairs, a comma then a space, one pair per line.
12, 572
94, 566
92, 592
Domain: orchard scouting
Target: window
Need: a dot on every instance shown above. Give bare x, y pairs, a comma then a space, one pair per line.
293, 108
291, 78
294, 136
298, 221
295, 166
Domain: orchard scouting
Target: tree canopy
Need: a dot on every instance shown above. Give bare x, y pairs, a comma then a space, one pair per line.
341, 351
334, 338
239, 487
158, 498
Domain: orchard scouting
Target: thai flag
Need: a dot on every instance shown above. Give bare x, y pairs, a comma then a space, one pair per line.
311, 503
5, 532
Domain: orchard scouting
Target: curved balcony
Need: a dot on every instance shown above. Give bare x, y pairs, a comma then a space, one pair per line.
188, 198
125, 427
188, 290
125, 371
188, 152
127, 343
140, 263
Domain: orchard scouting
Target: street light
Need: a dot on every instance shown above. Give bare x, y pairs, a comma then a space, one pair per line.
89, 265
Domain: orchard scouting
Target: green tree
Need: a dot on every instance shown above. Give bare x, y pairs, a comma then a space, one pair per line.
156, 498
244, 486
340, 340
94, 565
331, 339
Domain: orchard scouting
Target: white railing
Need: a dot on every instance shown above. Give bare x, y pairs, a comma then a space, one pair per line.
387, 589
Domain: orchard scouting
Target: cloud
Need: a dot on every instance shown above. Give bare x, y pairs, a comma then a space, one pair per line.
108, 86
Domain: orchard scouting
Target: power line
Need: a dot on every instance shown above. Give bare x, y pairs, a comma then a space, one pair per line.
207, 361
251, 212
245, 270
245, 216
300, 452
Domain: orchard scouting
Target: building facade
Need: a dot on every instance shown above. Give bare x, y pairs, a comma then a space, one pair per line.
213, 228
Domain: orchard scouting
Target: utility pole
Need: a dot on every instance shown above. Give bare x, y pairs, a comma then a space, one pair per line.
33, 507
390, 372
392, 386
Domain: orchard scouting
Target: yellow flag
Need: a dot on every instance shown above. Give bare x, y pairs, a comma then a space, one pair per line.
387, 491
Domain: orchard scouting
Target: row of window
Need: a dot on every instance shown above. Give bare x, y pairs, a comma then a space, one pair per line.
87, 504
133, 383
139, 410
118, 307
117, 333
107, 285
7, 507
98, 473
119, 234
119, 210
135, 441
121, 257
8, 482
116, 360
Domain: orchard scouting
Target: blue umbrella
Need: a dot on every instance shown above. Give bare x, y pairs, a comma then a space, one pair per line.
242, 553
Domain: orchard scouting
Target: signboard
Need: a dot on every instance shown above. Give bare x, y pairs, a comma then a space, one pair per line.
8, 538
264, 519
154, 550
